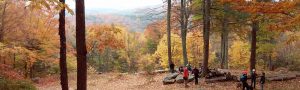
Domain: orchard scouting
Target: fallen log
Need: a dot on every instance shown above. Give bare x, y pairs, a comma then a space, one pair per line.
217, 79
282, 77
297, 74
161, 71
212, 73
172, 75
179, 79
167, 81
236, 78
191, 78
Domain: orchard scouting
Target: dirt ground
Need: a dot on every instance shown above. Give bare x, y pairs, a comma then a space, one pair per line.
118, 81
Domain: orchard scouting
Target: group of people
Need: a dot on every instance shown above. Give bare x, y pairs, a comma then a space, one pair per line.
196, 72
253, 74
188, 69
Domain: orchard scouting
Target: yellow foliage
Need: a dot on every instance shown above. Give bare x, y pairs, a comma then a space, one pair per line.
194, 50
239, 55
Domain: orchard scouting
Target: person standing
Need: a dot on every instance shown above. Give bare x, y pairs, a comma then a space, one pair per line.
253, 78
172, 66
180, 69
262, 80
185, 76
196, 74
189, 67
243, 79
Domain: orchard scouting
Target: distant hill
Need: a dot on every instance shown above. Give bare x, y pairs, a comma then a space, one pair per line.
134, 20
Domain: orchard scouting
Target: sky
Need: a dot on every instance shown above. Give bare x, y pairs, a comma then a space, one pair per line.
117, 4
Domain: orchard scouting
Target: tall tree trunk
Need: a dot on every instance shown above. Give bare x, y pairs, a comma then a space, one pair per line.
224, 39
62, 61
270, 63
169, 36
81, 46
255, 28
183, 30
31, 73
14, 62
25, 69
206, 29
2, 22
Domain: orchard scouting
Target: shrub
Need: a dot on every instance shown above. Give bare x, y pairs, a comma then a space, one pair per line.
6, 84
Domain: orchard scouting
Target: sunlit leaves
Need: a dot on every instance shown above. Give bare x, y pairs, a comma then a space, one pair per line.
48, 4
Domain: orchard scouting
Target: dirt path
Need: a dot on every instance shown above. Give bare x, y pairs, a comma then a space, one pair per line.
113, 81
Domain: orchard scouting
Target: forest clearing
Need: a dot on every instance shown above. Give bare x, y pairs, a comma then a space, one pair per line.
149, 44
125, 81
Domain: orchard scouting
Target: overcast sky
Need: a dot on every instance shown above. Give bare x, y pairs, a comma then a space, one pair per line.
116, 4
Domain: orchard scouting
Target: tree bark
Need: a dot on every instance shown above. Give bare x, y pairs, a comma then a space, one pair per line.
14, 63
224, 40
2, 22
255, 28
62, 61
183, 24
206, 29
81, 46
169, 35
270, 63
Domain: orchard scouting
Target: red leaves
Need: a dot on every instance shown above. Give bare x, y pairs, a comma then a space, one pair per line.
10, 73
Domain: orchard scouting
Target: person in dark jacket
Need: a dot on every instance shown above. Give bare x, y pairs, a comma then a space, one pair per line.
253, 78
243, 79
180, 69
262, 80
196, 74
172, 66
189, 67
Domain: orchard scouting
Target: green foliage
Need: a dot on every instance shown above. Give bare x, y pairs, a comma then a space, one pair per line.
151, 46
148, 63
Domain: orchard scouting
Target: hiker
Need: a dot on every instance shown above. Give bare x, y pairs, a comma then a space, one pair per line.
253, 78
185, 76
243, 79
196, 74
180, 69
172, 65
189, 67
262, 80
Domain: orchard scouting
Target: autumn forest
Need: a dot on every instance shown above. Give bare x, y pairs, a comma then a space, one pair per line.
58, 45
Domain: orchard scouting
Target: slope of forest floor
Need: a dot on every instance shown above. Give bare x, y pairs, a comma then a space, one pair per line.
118, 81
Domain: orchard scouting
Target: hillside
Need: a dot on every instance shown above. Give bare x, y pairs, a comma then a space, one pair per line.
134, 20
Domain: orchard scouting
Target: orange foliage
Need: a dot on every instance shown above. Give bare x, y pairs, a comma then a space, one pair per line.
155, 30
285, 13
102, 36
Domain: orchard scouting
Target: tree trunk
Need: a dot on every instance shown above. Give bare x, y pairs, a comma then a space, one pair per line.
224, 40
255, 28
2, 22
62, 61
31, 73
169, 35
25, 69
183, 30
81, 46
14, 62
206, 29
270, 63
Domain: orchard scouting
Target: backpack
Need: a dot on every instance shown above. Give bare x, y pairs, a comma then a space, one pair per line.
243, 78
